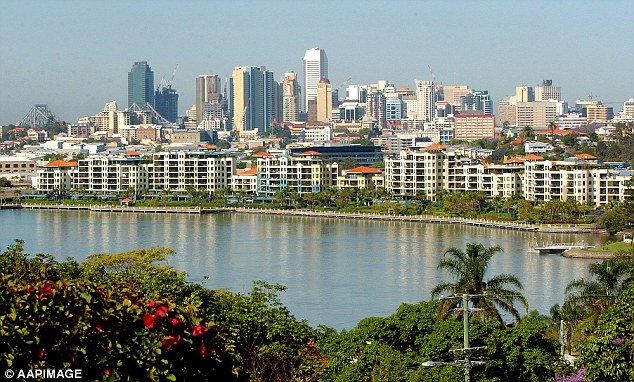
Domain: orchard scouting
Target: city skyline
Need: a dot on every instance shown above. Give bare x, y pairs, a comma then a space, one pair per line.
58, 54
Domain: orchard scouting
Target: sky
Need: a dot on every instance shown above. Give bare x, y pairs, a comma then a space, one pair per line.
74, 55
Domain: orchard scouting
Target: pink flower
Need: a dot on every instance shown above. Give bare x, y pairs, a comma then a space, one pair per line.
46, 290
171, 341
152, 304
175, 321
199, 330
98, 327
148, 321
161, 311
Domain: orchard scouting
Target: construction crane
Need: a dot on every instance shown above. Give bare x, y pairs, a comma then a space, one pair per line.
344, 83
167, 84
244, 115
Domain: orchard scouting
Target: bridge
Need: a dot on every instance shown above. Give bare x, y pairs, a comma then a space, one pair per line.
38, 116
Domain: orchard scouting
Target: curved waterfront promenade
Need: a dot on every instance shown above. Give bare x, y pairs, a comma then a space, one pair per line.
546, 228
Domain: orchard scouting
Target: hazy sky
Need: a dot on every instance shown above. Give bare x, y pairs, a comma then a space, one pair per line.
75, 55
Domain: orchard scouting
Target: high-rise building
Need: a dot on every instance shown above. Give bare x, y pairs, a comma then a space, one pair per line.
469, 127
166, 103
315, 68
547, 91
291, 100
426, 100
375, 108
140, 84
599, 112
453, 94
524, 94
537, 115
324, 100
254, 96
628, 108
478, 101
208, 93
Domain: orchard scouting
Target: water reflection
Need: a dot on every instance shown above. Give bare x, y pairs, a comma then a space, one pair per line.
337, 271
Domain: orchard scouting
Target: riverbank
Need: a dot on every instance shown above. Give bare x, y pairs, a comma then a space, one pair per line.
520, 226
128, 209
544, 228
585, 254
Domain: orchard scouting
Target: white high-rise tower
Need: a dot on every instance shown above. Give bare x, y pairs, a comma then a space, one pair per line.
425, 100
315, 68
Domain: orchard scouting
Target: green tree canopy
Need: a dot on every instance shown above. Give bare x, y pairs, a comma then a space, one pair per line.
469, 269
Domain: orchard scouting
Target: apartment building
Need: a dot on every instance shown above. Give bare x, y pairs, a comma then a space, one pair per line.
177, 171
55, 176
580, 178
494, 180
111, 175
305, 173
172, 171
361, 178
414, 171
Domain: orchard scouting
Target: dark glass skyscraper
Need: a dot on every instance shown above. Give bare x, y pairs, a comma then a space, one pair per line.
166, 103
141, 84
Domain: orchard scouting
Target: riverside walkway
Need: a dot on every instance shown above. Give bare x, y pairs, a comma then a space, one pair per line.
547, 228
519, 226
107, 208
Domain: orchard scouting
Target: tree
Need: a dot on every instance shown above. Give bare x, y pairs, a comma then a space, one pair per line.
609, 278
469, 269
4, 182
614, 220
608, 351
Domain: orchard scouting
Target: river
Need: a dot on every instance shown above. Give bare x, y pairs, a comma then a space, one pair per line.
337, 271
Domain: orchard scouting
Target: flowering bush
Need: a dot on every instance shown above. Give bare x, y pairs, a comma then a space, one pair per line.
107, 331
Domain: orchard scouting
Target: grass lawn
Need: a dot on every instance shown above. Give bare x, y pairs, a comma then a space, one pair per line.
612, 247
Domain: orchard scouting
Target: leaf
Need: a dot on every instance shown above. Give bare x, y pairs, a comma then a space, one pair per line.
87, 297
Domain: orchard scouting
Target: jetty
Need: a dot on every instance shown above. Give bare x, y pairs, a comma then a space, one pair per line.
559, 248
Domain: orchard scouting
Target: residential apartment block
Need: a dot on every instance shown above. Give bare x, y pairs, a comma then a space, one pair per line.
171, 171
305, 173
412, 172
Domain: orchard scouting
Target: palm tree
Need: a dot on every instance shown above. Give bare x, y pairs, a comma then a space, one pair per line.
610, 277
469, 269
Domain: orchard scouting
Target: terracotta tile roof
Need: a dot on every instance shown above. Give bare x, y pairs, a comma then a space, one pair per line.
262, 154
310, 152
126, 200
586, 156
514, 160
437, 146
133, 153
532, 157
364, 170
61, 163
557, 132
210, 147
251, 171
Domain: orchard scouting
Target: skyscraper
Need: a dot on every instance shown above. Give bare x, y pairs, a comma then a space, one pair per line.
209, 99
324, 100
425, 100
166, 102
547, 91
291, 101
141, 84
254, 98
315, 68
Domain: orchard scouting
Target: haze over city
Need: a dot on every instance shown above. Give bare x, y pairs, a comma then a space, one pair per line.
75, 56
